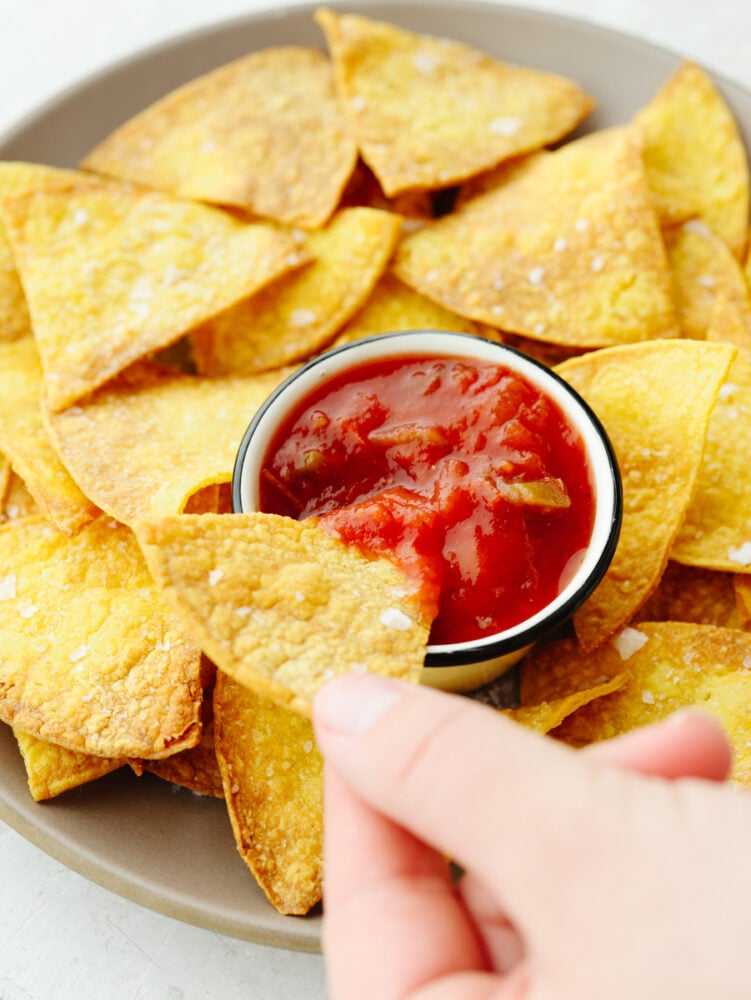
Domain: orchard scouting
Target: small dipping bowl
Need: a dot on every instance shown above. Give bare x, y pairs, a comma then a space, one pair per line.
459, 666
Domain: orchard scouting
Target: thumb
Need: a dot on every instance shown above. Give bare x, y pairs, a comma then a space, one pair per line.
465, 780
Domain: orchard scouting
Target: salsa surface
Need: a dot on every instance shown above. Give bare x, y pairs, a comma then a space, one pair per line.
462, 472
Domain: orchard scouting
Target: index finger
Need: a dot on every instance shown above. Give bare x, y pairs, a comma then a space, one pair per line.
393, 922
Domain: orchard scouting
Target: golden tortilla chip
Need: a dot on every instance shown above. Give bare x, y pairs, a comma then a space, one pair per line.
692, 594
5, 471
24, 438
18, 502
15, 179
717, 529
659, 450
568, 250
427, 112
196, 768
90, 657
281, 606
548, 715
704, 270
273, 784
301, 312
112, 273
52, 770
695, 157
189, 430
395, 306
673, 665
742, 586
265, 133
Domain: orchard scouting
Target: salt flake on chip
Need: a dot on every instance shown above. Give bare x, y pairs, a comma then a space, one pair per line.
629, 641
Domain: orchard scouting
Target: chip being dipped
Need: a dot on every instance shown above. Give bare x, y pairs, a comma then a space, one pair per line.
282, 606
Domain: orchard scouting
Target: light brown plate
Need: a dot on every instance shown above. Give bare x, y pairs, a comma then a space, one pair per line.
171, 850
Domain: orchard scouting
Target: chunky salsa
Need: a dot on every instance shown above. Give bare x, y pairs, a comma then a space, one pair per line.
463, 472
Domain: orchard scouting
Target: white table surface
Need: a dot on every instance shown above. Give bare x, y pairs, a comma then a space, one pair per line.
62, 937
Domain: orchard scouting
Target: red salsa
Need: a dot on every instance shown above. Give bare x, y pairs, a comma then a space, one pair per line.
463, 472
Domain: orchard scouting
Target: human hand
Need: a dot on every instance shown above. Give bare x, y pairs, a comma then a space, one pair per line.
583, 880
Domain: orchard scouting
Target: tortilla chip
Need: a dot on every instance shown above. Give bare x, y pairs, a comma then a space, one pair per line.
717, 530
18, 502
695, 157
659, 451
196, 768
90, 657
281, 606
265, 133
301, 313
364, 191
742, 586
548, 715
567, 250
676, 665
704, 270
52, 770
189, 430
692, 594
15, 179
112, 273
395, 306
23, 437
273, 784
427, 112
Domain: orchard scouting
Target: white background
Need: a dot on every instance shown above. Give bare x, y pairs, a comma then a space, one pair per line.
61, 937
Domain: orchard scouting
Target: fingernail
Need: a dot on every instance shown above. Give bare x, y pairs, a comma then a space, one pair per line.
351, 705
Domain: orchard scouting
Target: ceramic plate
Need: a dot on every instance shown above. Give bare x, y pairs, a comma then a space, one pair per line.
169, 849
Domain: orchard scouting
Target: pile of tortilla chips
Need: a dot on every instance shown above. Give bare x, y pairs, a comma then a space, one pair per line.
294, 199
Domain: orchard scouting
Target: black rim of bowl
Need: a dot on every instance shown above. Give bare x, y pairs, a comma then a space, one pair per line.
459, 654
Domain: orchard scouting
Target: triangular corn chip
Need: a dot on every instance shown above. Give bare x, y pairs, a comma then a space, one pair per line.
395, 306
52, 770
671, 666
695, 157
301, 312
693, 594
427, 112
112, 273
567, 250
90, 657
273, 784
281, 606
16, 179
704, 270
546, 715
265, 133
189, 430
717, 530
24, 438
659, 450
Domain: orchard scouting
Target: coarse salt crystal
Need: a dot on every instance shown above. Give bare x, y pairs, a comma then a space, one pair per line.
7, 587
581, 225
78, 653
164, 645
706, 281
560, 244
80, 216
597, 263
629, 641
358, 103
27, 610
359, 668
394, 618
215, 576
505, 126
698, 227
647, 697
302, 317
536, 275
243, 611
425, 62
727, 389
307, 746
740, 555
